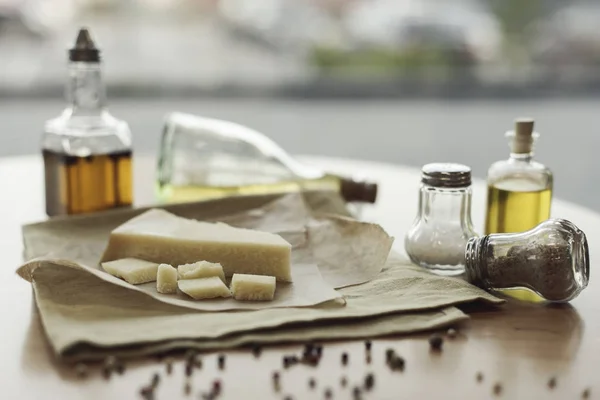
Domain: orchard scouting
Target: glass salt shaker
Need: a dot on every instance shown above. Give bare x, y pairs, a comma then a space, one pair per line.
552, 260
443, 226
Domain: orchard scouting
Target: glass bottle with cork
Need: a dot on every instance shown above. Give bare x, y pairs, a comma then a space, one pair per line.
87, 152
519, 192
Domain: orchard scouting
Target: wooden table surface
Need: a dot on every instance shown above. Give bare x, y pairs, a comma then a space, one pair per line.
521, 346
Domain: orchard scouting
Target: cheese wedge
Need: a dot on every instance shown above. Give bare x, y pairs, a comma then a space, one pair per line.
204, 288
253, 287
132, 270
166, 279
162, 237
201, 269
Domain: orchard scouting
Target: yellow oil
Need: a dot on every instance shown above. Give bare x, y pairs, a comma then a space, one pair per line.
512, 209
171, 193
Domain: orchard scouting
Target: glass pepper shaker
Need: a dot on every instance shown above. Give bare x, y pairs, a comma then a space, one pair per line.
443, 226
551, 260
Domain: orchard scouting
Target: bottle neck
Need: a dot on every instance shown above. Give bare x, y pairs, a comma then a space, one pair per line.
521, 157
445, 205
85, 89
475, 270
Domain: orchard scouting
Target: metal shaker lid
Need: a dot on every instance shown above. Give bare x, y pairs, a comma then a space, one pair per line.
84, 50
446, 175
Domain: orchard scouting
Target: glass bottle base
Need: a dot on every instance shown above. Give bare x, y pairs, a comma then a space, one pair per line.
444, 270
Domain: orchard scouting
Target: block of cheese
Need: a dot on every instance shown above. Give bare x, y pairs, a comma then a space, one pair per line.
253, 287
162, 237
201, 269
132, 270
166, 279
204, 288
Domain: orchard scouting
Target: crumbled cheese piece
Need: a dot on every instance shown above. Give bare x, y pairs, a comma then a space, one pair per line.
204, 288
201, 269
132, 270
166, 279
253, 287
162, 237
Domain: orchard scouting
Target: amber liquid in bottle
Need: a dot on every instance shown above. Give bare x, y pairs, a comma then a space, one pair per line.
76, 185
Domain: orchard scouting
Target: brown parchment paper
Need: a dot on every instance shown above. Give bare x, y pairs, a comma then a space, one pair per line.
85, 316
313, 241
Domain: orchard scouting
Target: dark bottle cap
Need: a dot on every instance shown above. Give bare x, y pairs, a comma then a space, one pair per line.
358, 191
446, 175
84, 50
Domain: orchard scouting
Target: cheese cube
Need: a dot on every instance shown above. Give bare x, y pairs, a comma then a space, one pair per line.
253, 287
201, 269
162, 237
132, 270
166, 279
204, 288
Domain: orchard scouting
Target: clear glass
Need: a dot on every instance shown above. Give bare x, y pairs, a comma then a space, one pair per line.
552, 260
519, 193
441, 229
202, 158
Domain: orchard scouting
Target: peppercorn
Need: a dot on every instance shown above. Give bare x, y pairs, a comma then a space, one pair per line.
120, 367
344, 358
187, 388
312, 383
256, 350
369, 381
368, 345
221, 361
147, 392
106, 372
436, 342
552, 383
497, 388
356, 393
328, 393
81, 370
188, 369
479, 377
276, 376
216, 387
319, 350
344, 381
451, 333
368, 358
586, 394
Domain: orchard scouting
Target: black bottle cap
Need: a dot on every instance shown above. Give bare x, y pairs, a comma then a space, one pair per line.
84, 50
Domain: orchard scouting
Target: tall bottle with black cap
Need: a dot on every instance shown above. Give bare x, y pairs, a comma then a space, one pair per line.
519, 189
87, 152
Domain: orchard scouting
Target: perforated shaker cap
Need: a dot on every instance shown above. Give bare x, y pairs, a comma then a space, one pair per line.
446, 175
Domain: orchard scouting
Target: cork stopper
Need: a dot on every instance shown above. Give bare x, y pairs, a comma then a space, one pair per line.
523, 136
84, 49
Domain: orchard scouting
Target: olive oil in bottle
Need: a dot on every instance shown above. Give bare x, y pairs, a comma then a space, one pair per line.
519, 191
87, 152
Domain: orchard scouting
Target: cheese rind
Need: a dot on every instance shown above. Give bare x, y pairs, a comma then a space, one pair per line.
201, 269
132, 270
166, 279
162, 237
253, 287
204, 288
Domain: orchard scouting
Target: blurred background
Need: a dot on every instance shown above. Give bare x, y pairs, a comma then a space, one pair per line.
400, 81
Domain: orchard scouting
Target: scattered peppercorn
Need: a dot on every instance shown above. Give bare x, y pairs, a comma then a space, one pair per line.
552, 383
328, 393
216, 387
497, 389
187, 388
120, 367
155, 380
368, 358
356, 393
81, 370
319, 350
397, 363
389, 355
586, 394
276, 376
221, 361
256, 350
479, 377
147, 392
106, 372
344, 381
188, 369
436, 342
169, 366
369, 381
344, 358
451, 333
368, 345
312, 383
